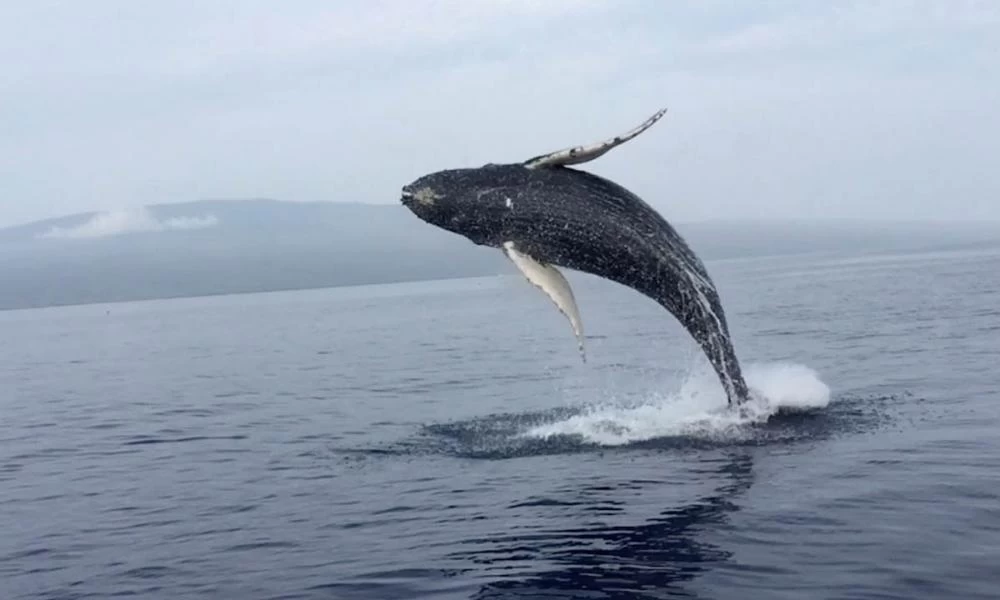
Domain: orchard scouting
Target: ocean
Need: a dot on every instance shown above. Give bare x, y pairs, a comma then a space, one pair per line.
445, 440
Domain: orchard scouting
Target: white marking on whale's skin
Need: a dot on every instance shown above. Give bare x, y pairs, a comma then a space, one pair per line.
706, 305
426, 196
700, 284
582, 154
509, 203
548, 279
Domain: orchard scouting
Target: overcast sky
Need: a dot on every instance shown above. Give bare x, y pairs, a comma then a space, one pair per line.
776, 109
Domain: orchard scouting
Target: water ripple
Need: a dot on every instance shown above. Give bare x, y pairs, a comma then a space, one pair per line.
441, 444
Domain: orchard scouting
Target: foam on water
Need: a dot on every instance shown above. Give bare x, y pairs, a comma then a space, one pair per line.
698, 408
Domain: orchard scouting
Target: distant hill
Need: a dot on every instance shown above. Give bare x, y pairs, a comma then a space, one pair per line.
230, 246
217, 247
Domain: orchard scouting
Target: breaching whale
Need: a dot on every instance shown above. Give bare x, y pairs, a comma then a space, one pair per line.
543, 214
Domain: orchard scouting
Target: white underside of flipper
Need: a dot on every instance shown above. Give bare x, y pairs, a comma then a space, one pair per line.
548, 279
582, 154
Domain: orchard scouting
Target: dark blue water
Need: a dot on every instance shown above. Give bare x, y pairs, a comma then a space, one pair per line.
443, 440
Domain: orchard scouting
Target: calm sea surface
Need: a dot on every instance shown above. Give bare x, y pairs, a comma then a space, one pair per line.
444, 440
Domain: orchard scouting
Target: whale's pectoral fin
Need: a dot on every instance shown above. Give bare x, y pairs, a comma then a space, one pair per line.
554, 284
581, 154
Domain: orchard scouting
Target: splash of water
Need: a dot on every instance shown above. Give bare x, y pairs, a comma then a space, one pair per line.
697, 409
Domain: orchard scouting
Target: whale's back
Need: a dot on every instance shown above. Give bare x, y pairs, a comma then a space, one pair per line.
585, 222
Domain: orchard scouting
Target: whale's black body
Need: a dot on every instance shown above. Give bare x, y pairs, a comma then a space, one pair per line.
543, 213
577, 220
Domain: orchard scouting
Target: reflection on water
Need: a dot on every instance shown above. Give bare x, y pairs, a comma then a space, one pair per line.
651, 560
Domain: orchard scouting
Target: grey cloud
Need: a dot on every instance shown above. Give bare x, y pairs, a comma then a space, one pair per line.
797, 109
129, 220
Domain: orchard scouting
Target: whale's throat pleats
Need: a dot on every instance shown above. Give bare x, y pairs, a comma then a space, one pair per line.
548, 279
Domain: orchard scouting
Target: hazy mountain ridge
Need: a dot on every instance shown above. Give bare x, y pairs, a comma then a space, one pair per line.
230, 246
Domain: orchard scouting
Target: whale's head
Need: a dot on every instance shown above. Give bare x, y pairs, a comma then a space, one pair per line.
473, 203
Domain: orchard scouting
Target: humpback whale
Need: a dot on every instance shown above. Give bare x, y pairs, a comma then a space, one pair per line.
543, 214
